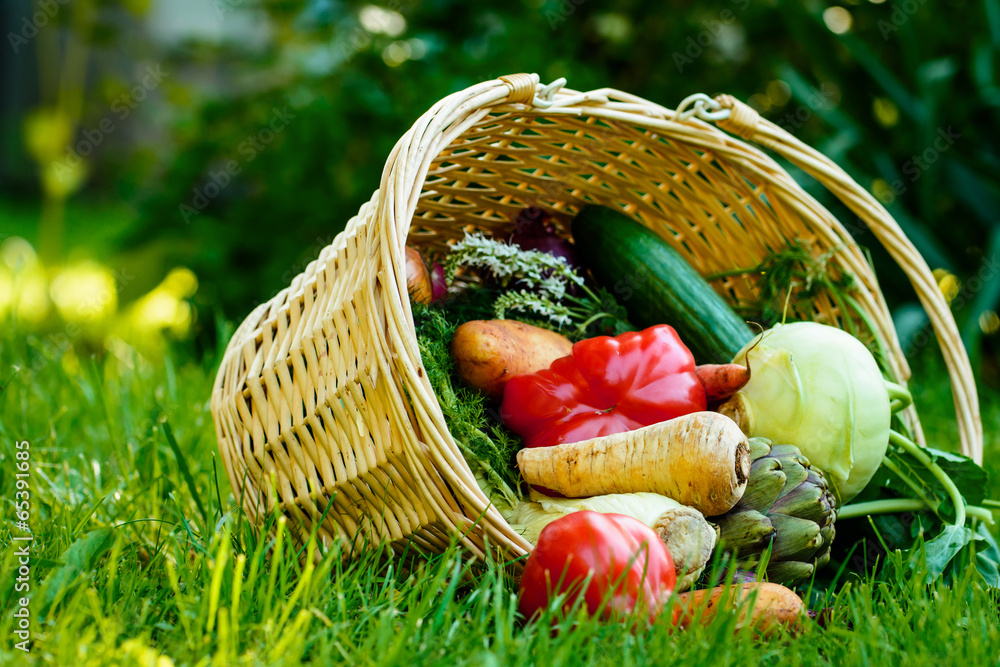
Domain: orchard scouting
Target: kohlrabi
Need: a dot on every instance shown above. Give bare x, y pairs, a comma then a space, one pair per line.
819, 388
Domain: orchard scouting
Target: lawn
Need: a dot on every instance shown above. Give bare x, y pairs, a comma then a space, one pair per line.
141, 557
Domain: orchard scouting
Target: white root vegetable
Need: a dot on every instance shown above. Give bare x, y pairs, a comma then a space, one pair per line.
691, 540
701, 460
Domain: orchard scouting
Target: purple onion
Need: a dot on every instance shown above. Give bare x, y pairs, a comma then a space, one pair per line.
743, 577
824, 618
533, 230
439, 286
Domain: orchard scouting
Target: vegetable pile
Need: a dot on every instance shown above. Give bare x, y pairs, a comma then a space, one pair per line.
632, 426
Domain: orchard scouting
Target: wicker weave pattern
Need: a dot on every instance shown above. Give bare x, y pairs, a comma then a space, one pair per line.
322, 393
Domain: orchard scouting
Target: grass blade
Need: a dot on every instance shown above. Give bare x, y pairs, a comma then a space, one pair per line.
182, 465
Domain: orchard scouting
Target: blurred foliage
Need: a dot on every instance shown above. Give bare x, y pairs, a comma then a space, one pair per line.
265, 143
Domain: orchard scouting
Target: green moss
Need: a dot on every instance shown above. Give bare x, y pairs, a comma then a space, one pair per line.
488, 446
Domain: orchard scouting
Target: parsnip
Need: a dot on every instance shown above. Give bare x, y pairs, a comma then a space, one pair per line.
690, 539
701, 460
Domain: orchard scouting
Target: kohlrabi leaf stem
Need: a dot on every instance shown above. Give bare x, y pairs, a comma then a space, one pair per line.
916, 452
914, 486
922, 501
892, 505
898, 395
980, 513
881, 507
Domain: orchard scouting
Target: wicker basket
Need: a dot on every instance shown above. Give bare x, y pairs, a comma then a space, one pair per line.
322, 394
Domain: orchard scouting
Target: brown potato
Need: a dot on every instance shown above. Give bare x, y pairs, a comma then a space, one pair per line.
418, 279
488, 353
774, 607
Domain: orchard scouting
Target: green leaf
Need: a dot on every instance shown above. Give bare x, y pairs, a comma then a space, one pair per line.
940, 550
948, 549
79, 558
971, 479
987, 555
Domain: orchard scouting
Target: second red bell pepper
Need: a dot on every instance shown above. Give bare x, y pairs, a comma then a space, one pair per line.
629, 567
607, 385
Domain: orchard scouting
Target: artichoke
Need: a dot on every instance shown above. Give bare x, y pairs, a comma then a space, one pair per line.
788, 505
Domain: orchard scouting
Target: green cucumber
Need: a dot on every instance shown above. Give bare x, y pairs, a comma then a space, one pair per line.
656, 285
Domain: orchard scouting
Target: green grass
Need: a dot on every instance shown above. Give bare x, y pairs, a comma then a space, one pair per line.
139, 554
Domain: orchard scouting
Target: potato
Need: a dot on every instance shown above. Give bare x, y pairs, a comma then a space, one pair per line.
488, 353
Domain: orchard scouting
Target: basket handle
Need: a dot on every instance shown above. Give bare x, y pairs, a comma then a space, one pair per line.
742, 120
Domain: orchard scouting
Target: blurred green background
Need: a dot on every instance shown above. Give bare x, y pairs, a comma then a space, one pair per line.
168, 164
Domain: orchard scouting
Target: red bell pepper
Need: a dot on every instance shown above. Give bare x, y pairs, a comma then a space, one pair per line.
630, 568
607, 385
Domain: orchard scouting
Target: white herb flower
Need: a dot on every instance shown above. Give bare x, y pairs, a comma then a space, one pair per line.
509, 264
538, 304
535, 284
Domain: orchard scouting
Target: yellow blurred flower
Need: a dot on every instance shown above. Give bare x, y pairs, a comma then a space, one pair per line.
71, 362
47, 133
164, 309
160, 310
33, 303
62, 178
7, 294
883, 191
85, 293
23, 287
885, 112
989, 322
143, 655
948, 283
181, 282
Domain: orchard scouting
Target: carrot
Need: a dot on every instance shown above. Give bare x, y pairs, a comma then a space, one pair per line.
722, 380
765, 607
488, 353
701, 460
